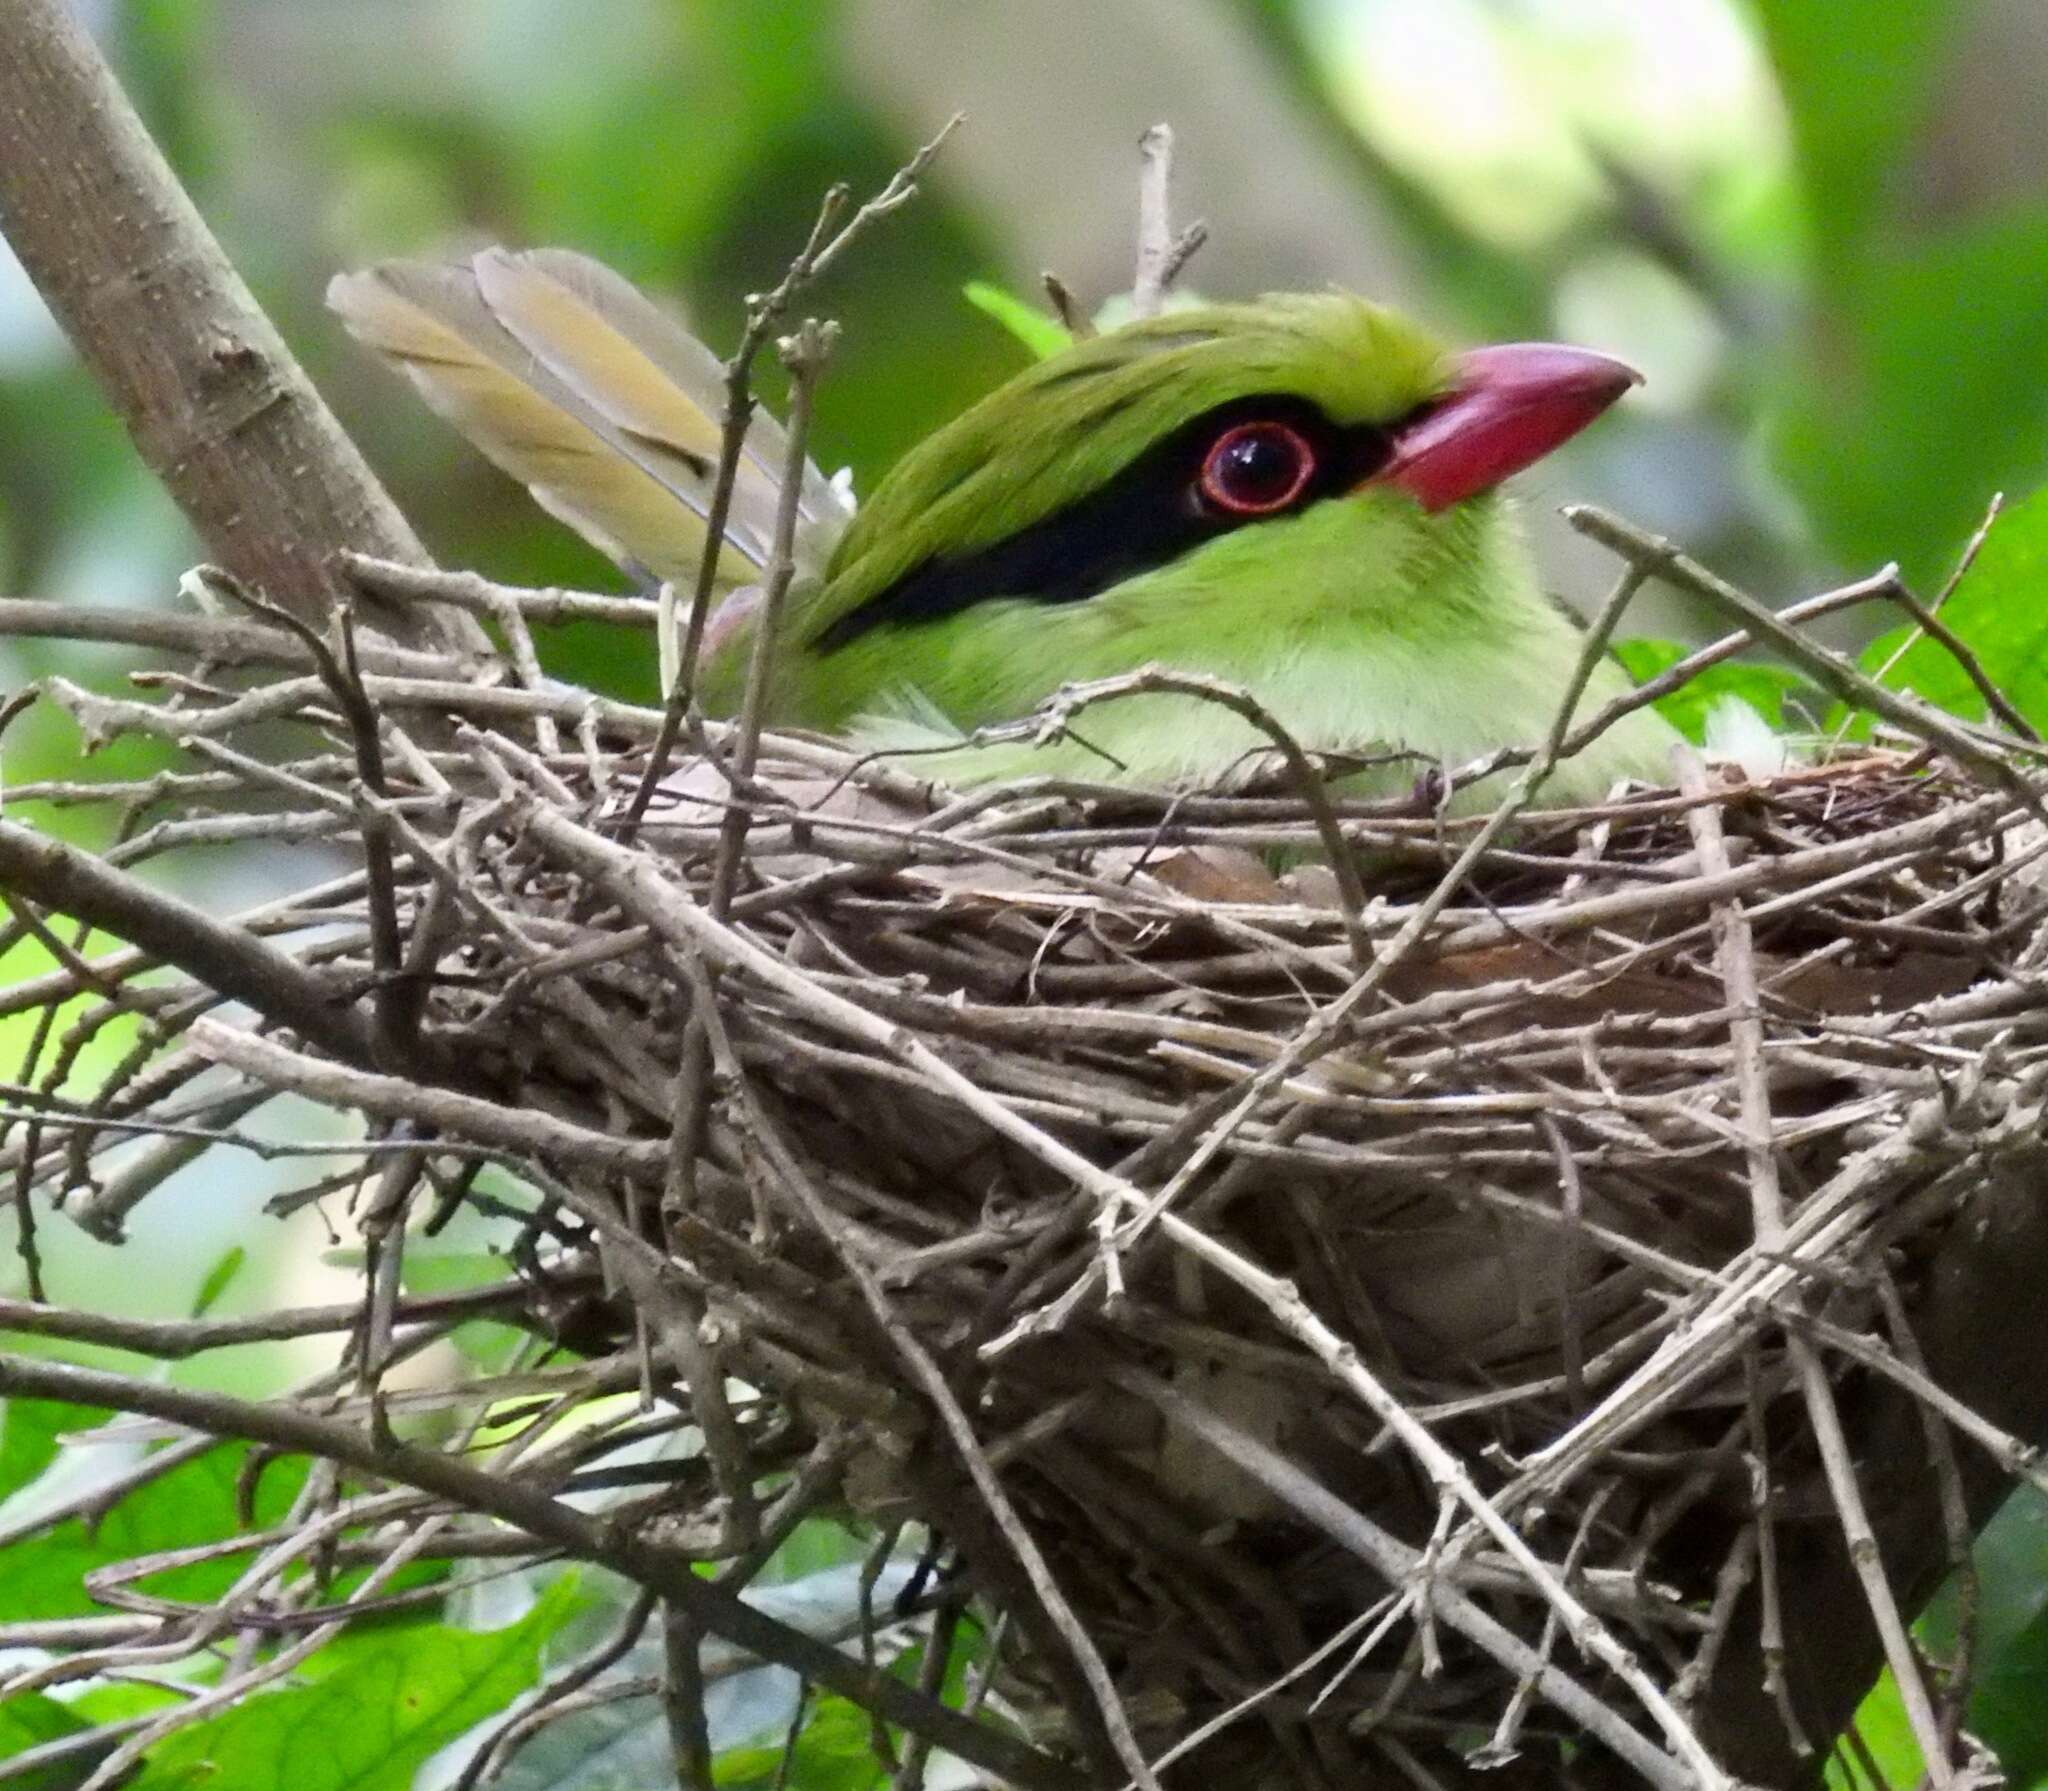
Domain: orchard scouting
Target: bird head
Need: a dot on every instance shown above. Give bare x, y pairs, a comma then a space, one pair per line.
1148, 443
1295, 495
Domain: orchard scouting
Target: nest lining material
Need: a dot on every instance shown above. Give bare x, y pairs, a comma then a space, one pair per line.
1289, 1275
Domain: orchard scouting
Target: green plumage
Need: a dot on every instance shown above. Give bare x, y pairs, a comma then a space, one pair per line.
1369, 614
1363, 622
1072, 422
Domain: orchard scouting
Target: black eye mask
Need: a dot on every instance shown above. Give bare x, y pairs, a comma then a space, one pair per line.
1150, 514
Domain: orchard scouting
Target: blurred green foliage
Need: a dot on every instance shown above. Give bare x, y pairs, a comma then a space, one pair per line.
1820, 225
193, 1503
1923, 387
367, 1712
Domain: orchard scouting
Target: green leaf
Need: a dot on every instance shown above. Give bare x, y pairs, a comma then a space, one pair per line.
1881, 1721
29, 1433
43, 1576
1764, 688
488, 1344
116, 1700
814, 1546
28, 1721
1042, 335
453, 1271
384, 1702
835, 1752
218, 1280
1997, 611
2009, 1691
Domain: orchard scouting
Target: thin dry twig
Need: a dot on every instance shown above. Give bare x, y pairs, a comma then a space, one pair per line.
1398, 1564
1746, 1037
549, 1521
1162, 252
1656, 557
817, 255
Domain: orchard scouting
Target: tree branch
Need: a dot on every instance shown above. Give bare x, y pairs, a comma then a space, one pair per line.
721, 1611
214, 401
221, 955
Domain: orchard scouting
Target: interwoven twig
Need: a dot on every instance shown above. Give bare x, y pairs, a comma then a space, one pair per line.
1439, 1224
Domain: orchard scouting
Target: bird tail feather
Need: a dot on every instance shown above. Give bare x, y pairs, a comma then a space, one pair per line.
580, 387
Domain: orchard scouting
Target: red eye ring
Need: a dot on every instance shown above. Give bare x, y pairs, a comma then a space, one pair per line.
1257, 469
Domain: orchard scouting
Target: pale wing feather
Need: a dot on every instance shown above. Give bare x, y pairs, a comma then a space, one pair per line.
697, 374
615, 446
657, 394
431, 323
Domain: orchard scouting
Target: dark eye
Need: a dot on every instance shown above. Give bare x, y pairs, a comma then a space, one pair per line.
1257, 469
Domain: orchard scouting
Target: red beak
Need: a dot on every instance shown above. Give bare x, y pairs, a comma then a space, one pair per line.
1508, 408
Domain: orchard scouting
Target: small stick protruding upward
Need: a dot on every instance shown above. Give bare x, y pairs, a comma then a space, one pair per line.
764, 311
1161, 254
1069, 309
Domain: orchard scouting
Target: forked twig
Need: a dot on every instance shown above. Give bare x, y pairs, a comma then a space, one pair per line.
549, 1521
1161, 252
818, 254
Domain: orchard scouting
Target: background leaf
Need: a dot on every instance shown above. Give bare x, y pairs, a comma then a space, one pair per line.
382, 1703
1920, 384
28, 1720
1041, 334
2000, 610
1851, 134
193, 1503
1765, 688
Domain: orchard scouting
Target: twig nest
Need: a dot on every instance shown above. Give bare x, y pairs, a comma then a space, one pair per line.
1224, 1253
1508, 1181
